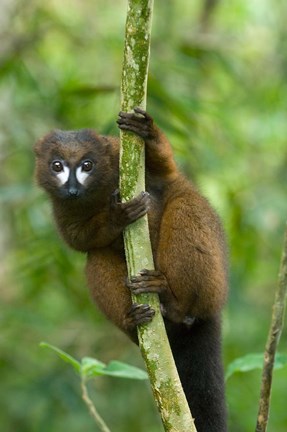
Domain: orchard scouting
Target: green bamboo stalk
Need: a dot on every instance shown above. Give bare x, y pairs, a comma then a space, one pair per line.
153, 341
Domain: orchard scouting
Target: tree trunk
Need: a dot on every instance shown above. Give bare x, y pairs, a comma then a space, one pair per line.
153, 340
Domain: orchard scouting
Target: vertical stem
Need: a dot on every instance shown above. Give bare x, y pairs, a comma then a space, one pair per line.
94, 413
272, 342
153, 340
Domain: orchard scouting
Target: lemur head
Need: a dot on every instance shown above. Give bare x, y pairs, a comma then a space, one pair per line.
73, 164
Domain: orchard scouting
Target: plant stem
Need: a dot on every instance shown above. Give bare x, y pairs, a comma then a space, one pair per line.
273, 341
94, 413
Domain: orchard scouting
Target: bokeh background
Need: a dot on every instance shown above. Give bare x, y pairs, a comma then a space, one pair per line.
217, 87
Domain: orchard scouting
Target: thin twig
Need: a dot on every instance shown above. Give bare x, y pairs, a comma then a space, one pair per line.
272, 342
94, 413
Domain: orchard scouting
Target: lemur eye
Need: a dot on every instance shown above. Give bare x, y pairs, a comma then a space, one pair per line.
57, 166
87, 165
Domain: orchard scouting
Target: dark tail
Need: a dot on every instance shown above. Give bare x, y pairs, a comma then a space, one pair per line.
197, 354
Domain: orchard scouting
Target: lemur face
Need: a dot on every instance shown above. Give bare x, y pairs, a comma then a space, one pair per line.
67, 163
72, 176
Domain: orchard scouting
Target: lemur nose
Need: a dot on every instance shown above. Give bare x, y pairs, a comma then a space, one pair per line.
73, 191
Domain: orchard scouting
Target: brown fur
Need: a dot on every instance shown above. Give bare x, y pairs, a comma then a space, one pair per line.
187, 238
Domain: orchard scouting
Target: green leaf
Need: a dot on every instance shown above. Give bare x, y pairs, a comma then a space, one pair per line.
64, 356
123, 370
253, 361
92, 368
280, 360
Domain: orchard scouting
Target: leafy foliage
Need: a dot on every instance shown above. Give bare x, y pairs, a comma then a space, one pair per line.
251, 362
90, 368
218, 88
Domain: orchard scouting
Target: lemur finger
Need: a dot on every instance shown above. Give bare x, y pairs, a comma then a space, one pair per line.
116, 197
140, 314
142, 199
138, 110
130, 117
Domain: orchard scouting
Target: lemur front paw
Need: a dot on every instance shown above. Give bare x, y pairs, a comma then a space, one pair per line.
148, 281
138, 122
138, 314
127, 212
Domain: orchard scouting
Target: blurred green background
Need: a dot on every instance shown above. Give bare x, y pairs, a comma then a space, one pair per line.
217, 87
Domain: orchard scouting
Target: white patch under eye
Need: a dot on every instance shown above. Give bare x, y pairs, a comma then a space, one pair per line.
81, 175
63, 175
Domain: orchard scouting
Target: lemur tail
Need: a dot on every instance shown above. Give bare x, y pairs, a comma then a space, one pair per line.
197, 354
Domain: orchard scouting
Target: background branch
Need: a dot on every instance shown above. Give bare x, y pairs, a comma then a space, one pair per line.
272, 342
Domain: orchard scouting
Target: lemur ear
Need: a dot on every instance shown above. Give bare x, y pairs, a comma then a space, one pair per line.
50, 138
38, 146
